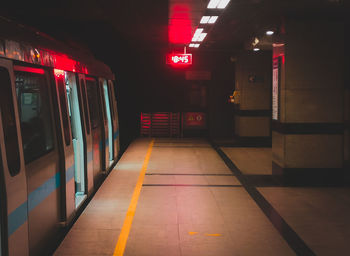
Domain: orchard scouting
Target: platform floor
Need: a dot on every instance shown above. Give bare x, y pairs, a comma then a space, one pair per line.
191, 203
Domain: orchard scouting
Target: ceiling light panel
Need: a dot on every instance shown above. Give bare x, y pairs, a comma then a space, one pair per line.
213, 4
197, 34
223, 4
212, 19
205, 19
201, 37
218, 4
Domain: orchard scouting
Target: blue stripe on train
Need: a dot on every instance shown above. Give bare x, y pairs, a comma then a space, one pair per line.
90, 156
70, 173
116, 134
19, 216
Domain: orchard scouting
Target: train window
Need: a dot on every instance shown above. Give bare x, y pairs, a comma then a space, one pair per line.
92, 93
35, 114
61, 85
111, 100
113, 92
86, 115
9, 123
104, 114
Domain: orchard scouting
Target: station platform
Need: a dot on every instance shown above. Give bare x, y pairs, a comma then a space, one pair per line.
186, 197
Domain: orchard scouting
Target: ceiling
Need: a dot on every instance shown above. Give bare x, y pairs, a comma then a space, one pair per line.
159, 25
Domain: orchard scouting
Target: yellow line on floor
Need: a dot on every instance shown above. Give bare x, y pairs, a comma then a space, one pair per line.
124, 234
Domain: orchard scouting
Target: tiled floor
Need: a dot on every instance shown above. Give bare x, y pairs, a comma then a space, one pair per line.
191, 204
321, 216
257, 161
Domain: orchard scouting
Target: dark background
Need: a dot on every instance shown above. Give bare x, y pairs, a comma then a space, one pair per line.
131, 37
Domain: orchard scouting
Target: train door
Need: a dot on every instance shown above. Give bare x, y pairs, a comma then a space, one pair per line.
114, 118
105, 131
88, 154
13, 172
3, 223
97, 126
72, 91
41, 156
109, 121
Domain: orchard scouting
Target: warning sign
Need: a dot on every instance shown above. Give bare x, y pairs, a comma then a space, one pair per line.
195, 119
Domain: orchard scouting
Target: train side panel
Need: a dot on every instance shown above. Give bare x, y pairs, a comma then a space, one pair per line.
97, 127
13, 164
115, 124
59, 137
40, 150
66, 152
87, 134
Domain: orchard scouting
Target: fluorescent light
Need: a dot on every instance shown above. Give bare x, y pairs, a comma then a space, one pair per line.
218, 4
202, 36
205, 19
269, 32
223, 4
195, 38
194, 45
197, 34
212, 19
213, 4
256, 49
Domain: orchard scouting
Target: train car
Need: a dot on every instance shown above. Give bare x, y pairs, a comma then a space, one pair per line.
59, 136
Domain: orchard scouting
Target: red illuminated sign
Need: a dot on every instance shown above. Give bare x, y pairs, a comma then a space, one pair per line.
195, 119
179, 59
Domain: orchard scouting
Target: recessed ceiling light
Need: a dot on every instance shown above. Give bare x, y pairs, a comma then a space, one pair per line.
256, 49
213, 4
205, 19
218, 4
270, 32
223, 4
212, 19
197, 34
201, 37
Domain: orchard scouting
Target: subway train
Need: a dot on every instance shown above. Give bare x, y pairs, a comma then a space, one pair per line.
59, 136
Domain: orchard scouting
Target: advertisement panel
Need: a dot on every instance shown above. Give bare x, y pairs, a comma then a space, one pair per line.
275, 88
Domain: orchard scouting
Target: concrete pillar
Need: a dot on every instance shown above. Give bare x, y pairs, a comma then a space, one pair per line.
253, 82
308, 100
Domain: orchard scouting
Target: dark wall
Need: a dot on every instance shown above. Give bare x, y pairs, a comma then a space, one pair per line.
164, 88
144, 82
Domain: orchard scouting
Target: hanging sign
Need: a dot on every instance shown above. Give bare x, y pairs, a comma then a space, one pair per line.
179, 59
